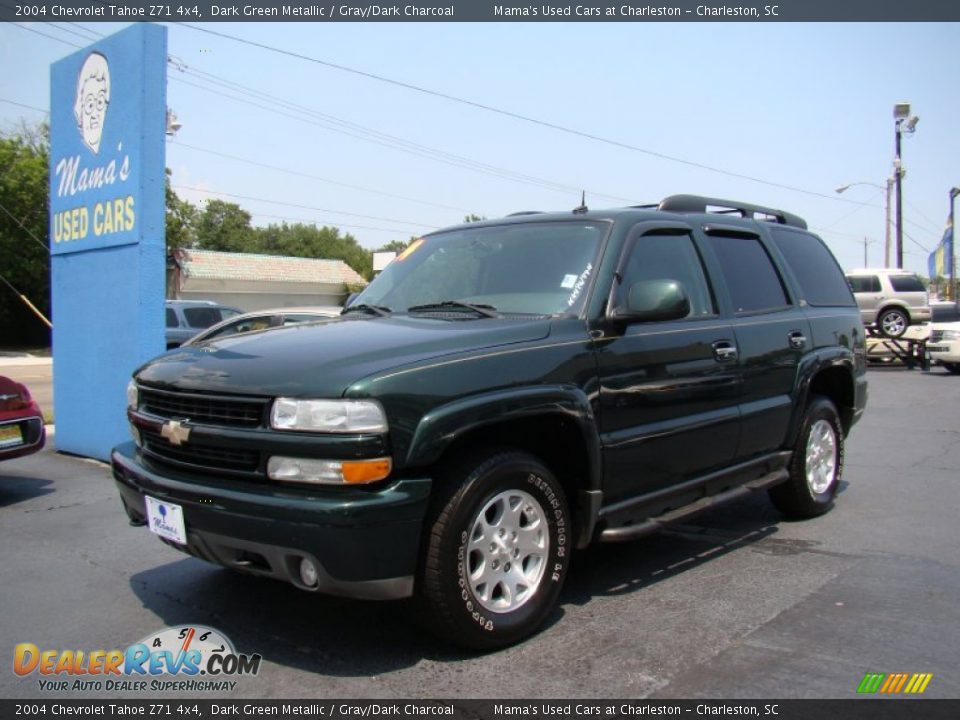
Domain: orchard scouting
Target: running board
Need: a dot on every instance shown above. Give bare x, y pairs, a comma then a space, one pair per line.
655, 524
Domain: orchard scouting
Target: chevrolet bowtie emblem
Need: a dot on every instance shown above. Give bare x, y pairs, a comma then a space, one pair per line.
175, 432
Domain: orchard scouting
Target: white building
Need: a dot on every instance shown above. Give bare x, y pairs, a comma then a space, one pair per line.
255, 282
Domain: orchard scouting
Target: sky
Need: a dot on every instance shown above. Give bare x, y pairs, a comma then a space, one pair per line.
788, 112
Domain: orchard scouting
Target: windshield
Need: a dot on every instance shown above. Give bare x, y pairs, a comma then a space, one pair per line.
526, 268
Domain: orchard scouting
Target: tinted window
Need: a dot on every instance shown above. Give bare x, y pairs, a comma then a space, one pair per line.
907, 283
172, 318
201, 317
815, 268
864, 283
752, 279
670, 257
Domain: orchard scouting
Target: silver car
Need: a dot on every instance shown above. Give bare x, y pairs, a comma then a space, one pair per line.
890, 299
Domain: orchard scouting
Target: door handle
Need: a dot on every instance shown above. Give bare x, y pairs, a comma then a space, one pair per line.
797, 340
724, 351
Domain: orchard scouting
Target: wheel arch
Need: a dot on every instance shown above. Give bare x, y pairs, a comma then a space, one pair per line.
832, 376
554, 423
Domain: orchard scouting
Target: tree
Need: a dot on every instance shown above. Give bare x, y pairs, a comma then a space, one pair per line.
24, 243
396, 246
224, 226
181, 219
471, 218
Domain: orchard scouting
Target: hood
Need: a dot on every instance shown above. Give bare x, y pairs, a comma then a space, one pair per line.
323, 359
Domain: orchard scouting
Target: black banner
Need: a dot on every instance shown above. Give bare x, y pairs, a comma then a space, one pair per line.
478, 10
854, 709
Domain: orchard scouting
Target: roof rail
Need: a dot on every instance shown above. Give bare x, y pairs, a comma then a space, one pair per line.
699, 204
526, 212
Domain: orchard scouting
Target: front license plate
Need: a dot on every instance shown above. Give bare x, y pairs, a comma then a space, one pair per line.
10, 436
166, 520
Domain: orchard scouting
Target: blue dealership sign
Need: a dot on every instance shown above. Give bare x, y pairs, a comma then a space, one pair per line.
107, 245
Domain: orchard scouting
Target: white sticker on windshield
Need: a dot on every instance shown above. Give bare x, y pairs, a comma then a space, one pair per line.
568, 281
579, 285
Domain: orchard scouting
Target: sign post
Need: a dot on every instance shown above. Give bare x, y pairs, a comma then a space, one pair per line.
107, 245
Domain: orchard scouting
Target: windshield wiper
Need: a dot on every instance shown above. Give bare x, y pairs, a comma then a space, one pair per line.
378, 310
485, 310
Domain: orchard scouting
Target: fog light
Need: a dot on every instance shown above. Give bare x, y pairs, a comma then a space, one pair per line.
328, 472
308, 573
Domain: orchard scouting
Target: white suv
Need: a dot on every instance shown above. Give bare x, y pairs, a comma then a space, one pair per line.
944, 345
890, 299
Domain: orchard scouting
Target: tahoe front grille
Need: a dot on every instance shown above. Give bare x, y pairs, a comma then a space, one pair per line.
216, 459
203, 409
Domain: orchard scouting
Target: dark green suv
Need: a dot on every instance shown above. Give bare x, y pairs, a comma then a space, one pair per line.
504, 392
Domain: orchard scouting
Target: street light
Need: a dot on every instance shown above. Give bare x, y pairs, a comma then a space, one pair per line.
953, 244
903, 122
889, 188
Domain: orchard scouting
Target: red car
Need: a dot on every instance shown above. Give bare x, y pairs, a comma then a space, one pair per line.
21, 421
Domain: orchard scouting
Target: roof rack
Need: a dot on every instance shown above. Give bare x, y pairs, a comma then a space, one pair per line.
699, 204
526, 212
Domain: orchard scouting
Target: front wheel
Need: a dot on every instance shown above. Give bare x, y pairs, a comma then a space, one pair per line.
497, 551
952, 367
816, 465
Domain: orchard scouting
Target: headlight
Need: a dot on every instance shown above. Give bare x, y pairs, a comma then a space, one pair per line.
328, 472
133, 395
951, 335
333, 416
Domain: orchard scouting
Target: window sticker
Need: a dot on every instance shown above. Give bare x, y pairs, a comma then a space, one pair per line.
579, 285
568, 282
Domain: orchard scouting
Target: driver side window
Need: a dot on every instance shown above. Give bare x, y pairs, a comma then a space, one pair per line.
671, 257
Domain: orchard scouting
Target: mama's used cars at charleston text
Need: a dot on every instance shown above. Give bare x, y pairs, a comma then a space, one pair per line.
505, 392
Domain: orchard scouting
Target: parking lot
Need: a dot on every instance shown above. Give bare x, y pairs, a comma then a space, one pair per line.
739, 604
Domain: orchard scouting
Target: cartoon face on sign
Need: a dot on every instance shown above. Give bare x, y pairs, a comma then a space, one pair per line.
93, 97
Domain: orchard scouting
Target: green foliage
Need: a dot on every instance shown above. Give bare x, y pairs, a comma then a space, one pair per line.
181, 220
224, 226
397, 246
24, 257
471, 218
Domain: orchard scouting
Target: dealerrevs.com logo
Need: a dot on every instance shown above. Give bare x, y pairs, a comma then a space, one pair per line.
189, 658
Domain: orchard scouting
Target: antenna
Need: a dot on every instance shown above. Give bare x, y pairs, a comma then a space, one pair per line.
583, 204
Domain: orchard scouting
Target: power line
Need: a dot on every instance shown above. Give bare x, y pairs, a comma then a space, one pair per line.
87, 35
28, 107
26, 229
379, 138
511, 114
301, 207
297, 173
51, 37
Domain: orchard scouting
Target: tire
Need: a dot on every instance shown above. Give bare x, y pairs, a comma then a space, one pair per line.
497, 551
893, 322
952, 367
816, 466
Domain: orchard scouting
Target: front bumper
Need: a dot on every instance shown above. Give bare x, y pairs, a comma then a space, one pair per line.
944, 351
364, 543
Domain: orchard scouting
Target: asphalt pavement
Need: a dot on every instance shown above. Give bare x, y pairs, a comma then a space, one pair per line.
739, 604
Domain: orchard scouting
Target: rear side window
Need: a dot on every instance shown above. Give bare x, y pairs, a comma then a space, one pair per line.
172, 318
907, 283
752, 279
201, 317
864, 283
821, 280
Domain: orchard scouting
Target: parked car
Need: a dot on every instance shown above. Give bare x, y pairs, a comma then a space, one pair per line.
890, 300
185, 318
504, 392
21, 421
944, 345
264, 320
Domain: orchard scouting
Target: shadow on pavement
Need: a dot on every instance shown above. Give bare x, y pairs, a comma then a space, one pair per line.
16, 488
350, 638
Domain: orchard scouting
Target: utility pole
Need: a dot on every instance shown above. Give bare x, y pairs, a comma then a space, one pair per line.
953, 248
903, 122
866, 262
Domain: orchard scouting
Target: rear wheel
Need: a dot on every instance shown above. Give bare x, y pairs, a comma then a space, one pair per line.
817, 463
497, 551
893, 322
952, 367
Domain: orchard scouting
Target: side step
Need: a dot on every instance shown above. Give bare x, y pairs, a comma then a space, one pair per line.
655, 524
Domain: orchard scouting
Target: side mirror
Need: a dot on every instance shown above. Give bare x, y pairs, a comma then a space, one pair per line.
652, 300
